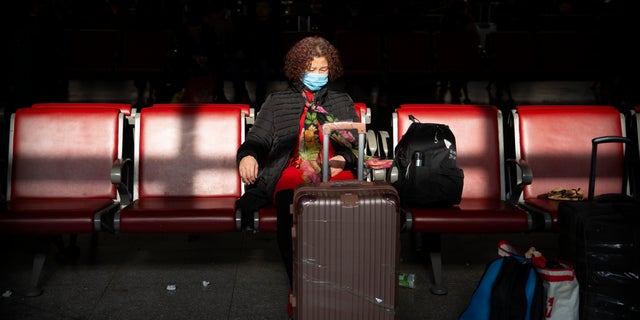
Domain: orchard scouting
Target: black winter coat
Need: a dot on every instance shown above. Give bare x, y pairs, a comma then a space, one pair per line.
275, 134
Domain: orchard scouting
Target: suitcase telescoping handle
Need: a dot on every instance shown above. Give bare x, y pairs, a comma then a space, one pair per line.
327, 128
594, 152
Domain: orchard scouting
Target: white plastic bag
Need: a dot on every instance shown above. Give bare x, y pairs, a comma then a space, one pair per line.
561, 291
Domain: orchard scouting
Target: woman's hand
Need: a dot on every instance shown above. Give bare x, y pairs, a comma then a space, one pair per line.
336, 165
248, 169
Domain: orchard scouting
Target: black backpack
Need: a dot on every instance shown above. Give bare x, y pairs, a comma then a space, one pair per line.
425, 165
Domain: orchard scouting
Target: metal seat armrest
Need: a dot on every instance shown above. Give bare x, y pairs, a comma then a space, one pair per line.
120, 176
384, 139
524, 176
372, 143
251, 117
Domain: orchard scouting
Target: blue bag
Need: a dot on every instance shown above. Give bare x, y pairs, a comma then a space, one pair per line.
509, 289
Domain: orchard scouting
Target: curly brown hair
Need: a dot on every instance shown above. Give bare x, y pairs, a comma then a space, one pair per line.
299, 58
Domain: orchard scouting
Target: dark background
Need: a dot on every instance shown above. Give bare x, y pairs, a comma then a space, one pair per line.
41, 54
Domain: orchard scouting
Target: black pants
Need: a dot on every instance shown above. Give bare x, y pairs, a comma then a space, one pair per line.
284, 199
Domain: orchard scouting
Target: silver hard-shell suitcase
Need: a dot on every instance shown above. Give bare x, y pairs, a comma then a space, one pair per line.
345, 245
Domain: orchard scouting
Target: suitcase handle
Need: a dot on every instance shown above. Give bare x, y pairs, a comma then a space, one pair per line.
594, 151
327, 128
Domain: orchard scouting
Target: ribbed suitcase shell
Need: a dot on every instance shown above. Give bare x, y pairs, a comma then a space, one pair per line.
346, 243
600, 237
601, 240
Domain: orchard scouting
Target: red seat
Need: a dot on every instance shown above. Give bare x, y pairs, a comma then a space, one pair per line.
246, 108
555, 143
479, 140
363, 111
125, 108
484, 208
60, 161
185, 175
59, 165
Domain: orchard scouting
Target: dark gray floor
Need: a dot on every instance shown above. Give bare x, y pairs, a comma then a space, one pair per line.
216, 276
126, 276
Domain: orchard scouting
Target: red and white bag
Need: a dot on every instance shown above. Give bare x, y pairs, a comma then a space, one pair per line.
560, 285
561, 291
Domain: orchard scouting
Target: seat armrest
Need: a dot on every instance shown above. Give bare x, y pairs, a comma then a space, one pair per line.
372, 143
367, 116
120, 176
377, 147
131, 119
384, 142
251, 117
524, 176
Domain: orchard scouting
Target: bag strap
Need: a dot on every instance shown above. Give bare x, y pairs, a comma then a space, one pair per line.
505, 249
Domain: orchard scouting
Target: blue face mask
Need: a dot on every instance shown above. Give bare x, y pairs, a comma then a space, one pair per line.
315, 81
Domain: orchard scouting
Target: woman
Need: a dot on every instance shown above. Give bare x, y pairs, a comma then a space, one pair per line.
283, 148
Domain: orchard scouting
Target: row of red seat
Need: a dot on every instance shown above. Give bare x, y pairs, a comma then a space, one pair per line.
69, 170
506, 193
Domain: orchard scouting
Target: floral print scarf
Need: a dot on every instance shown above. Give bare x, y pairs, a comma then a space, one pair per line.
310, 144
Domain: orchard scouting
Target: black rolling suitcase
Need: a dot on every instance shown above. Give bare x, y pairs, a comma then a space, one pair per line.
601, 237
345, 246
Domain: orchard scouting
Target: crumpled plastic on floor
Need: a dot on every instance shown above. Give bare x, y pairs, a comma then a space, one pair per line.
407, 280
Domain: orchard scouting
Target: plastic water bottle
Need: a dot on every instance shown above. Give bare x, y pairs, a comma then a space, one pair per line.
417, 159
